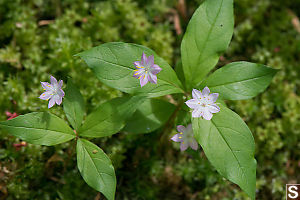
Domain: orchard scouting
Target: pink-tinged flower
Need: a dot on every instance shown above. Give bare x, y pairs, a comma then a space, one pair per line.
203, 103
146, 70
53, 92
186, 137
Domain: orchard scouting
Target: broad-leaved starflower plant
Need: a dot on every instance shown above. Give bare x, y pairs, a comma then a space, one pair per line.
225, 138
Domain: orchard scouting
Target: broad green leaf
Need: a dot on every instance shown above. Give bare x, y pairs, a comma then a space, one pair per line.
179, 72
208, 34
229, 146
110, 117
112, 63
96, 168
149, 116
73, 105
240, 80
39, 128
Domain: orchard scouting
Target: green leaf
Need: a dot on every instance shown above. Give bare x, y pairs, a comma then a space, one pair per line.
179, 72
229, 146
110, 117
96, 169
39, 128
208, 34
73, 105
240, 80
150, 115
112, 63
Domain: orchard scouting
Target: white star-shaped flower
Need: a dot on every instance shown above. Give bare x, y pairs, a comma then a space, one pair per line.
53, 92
203, 103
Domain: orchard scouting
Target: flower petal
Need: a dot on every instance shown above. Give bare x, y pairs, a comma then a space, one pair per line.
213, 108
180, 128
213, 97
51, 102
143, 80
207, 115
196, 94
205, 92
184, 146
155, 69
53, 81
46, 95
58, 99
60, 83
193, 144
150, 61
137, 63
197, 113
47, 86
61, 93
177, 138
144, 59
192, 103
152, 78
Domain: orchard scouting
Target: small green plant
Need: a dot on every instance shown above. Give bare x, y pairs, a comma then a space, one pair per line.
224, 137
